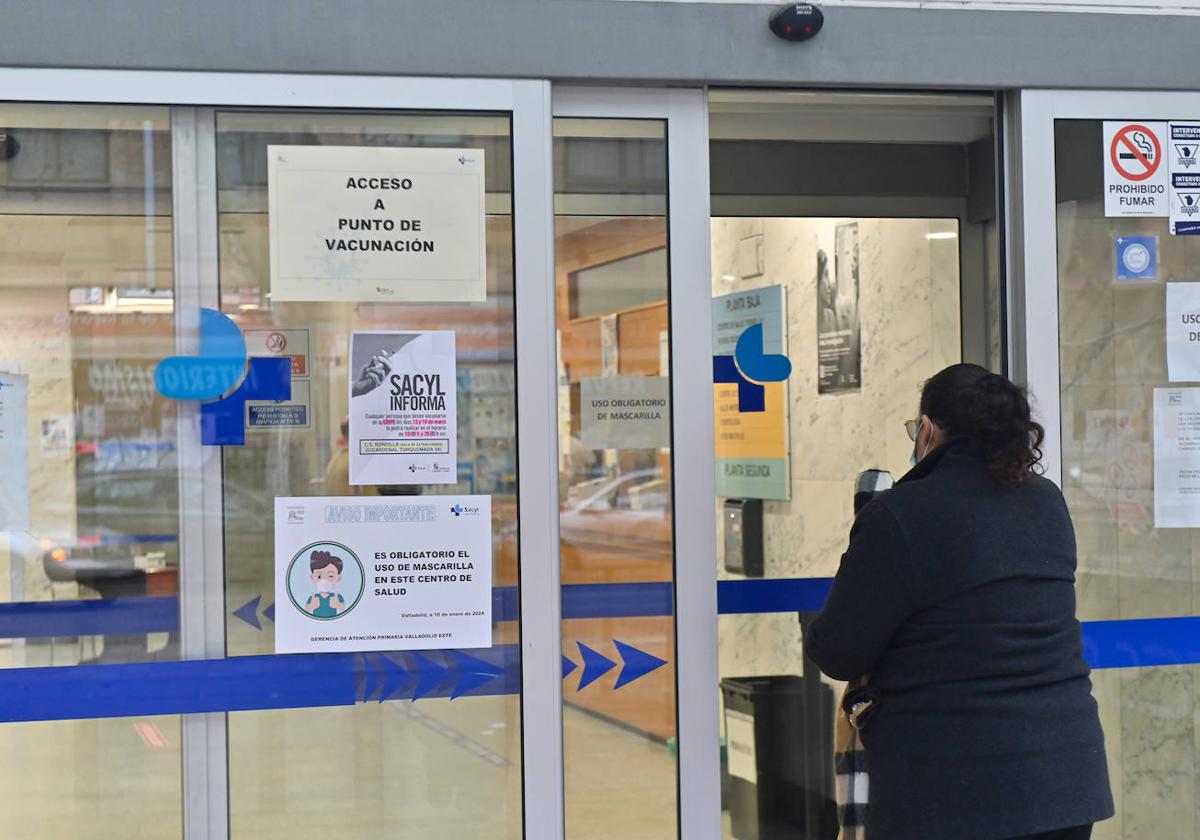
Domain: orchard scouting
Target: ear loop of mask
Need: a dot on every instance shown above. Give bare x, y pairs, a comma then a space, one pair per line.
915, 459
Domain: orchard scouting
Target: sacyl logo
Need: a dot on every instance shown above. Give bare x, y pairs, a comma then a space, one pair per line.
459, 510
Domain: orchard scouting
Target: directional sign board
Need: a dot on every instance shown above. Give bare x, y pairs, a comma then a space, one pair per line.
1135, 179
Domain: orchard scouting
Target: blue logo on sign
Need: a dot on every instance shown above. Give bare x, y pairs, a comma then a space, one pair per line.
1137, 257
222, 378
458, 510
749, 367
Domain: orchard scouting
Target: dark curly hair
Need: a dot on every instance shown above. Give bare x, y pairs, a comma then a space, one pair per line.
321, 559
968, 400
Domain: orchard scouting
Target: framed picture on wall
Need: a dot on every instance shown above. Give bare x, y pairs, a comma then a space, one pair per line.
839, 343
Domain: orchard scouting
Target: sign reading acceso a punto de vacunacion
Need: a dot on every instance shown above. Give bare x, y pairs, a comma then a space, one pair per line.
388, 573
376, 224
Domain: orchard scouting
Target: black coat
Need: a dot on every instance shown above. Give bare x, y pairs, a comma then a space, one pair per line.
957, 594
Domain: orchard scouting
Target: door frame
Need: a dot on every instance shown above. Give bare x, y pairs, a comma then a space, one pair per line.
685, 112
1033, 241
192, 96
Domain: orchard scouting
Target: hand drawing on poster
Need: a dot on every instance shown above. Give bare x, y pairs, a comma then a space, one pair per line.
403, 413
839, 351
359, 573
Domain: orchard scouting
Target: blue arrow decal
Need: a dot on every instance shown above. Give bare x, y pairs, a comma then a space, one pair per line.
368, 678
637, 663
429, 675
595, 666
393, 676
756, 365
269, 613
568, 667
248, 612
472, 673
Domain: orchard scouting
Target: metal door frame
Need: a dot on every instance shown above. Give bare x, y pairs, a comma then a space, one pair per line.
1033, 241
191, 97
685, 112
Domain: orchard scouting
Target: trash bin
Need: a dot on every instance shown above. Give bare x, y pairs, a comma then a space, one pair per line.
779, 734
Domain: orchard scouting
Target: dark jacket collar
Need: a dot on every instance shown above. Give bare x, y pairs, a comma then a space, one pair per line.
961, 445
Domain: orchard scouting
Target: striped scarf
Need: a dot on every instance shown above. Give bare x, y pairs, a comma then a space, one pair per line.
850, 759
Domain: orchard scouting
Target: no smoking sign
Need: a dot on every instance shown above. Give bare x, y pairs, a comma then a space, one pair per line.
1135, 179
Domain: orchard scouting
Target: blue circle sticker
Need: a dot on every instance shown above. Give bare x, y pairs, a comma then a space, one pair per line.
325, 580
1136, 258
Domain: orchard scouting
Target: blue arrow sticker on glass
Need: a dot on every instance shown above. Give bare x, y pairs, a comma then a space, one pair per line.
637, 663
595, 665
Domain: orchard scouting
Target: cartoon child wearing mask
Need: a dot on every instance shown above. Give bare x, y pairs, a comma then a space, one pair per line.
326, 574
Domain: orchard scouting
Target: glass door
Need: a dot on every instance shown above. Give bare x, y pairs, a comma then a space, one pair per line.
188, 364
1110, 298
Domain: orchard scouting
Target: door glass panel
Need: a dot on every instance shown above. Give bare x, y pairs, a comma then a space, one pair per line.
1112, 364
434, 768
866, 305
89, 507
615, 478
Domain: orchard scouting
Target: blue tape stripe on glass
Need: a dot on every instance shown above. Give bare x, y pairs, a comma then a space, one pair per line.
617, 600
245, 683
111, 616
1108, 644
767, 595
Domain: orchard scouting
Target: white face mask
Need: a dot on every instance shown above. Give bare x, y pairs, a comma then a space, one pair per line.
324, 584
915, 458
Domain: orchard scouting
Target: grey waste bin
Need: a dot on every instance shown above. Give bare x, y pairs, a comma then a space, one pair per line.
779, 736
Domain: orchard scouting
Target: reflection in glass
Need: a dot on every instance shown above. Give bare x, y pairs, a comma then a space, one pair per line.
434, 768
1112, 357
89, 510
615, 470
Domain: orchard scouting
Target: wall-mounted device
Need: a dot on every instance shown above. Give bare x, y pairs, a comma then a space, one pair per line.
796, 21
8, 145
744, 537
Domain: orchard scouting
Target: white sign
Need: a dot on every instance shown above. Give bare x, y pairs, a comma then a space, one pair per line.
625, 412
294, 413
403, 408
1177, 457
290, 344
1183, 332
356, 573
14, 452
369, 223
1183, 167
739, 740
1135, 179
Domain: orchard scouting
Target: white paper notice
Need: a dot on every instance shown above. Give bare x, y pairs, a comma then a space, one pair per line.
373, 223
1183, 166
1135, 179
403, 408
739, 738
14, 452
356, 573
1183, 332
1177, 457
625, 412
